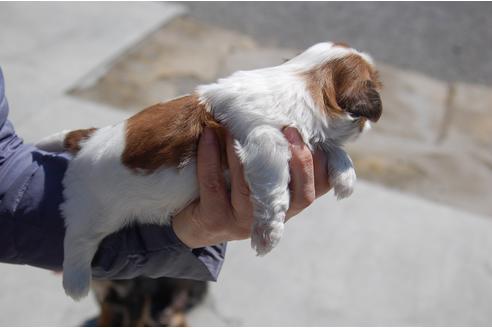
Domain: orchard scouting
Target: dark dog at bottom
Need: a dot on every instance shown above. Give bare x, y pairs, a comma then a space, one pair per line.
147, 302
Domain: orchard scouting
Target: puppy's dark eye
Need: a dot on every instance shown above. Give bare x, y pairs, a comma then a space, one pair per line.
354, 115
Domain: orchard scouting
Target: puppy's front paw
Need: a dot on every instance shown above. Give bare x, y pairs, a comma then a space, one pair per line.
266, 236
344, 183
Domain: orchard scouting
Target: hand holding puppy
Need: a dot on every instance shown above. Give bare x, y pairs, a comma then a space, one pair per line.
220, 216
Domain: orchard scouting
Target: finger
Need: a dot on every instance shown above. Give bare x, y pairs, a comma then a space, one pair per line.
211, 182
301, 173
321, 179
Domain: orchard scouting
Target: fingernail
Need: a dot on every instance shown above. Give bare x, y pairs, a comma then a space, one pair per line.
293, 136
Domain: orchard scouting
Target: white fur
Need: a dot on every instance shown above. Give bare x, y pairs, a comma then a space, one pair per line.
53, 143
102, 195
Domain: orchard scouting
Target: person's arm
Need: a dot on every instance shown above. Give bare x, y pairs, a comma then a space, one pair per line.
32, 228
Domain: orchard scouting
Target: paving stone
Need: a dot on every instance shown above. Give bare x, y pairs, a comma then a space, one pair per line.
471, 115
169, 62
414, 105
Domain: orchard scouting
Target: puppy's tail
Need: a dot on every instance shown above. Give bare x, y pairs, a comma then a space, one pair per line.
54, 142
65, 140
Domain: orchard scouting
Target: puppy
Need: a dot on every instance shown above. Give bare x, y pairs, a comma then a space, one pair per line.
143, 169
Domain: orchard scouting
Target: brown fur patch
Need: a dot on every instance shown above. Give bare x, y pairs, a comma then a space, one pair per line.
73, 139
347, 84
165, 134
362, 123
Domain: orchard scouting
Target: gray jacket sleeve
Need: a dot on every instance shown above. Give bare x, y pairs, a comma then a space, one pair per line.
32, 228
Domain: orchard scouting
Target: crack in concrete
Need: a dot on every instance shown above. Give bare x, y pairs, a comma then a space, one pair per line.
449, 111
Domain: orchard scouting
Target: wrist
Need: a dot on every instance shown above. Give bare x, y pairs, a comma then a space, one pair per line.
189, 228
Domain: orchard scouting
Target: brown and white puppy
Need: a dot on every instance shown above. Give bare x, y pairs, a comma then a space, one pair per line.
143, 169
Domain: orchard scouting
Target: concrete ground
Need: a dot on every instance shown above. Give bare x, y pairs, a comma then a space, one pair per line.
381, 257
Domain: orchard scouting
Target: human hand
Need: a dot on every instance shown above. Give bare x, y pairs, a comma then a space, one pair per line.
220, 215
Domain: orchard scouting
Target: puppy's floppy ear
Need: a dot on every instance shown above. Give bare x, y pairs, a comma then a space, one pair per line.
346, 85
363, 101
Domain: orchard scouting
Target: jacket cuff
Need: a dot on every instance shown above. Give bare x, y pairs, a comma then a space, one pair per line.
155, 251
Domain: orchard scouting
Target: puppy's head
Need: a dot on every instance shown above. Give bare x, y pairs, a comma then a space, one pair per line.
344, 86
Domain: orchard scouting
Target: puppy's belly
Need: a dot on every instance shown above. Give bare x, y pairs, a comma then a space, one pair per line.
153, 198
111, 195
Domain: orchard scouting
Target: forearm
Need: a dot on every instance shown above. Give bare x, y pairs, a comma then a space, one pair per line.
155, 251
30, 229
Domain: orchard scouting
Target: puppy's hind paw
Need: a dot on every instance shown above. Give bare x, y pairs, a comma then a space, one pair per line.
266, 236
76, 282
344, 183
